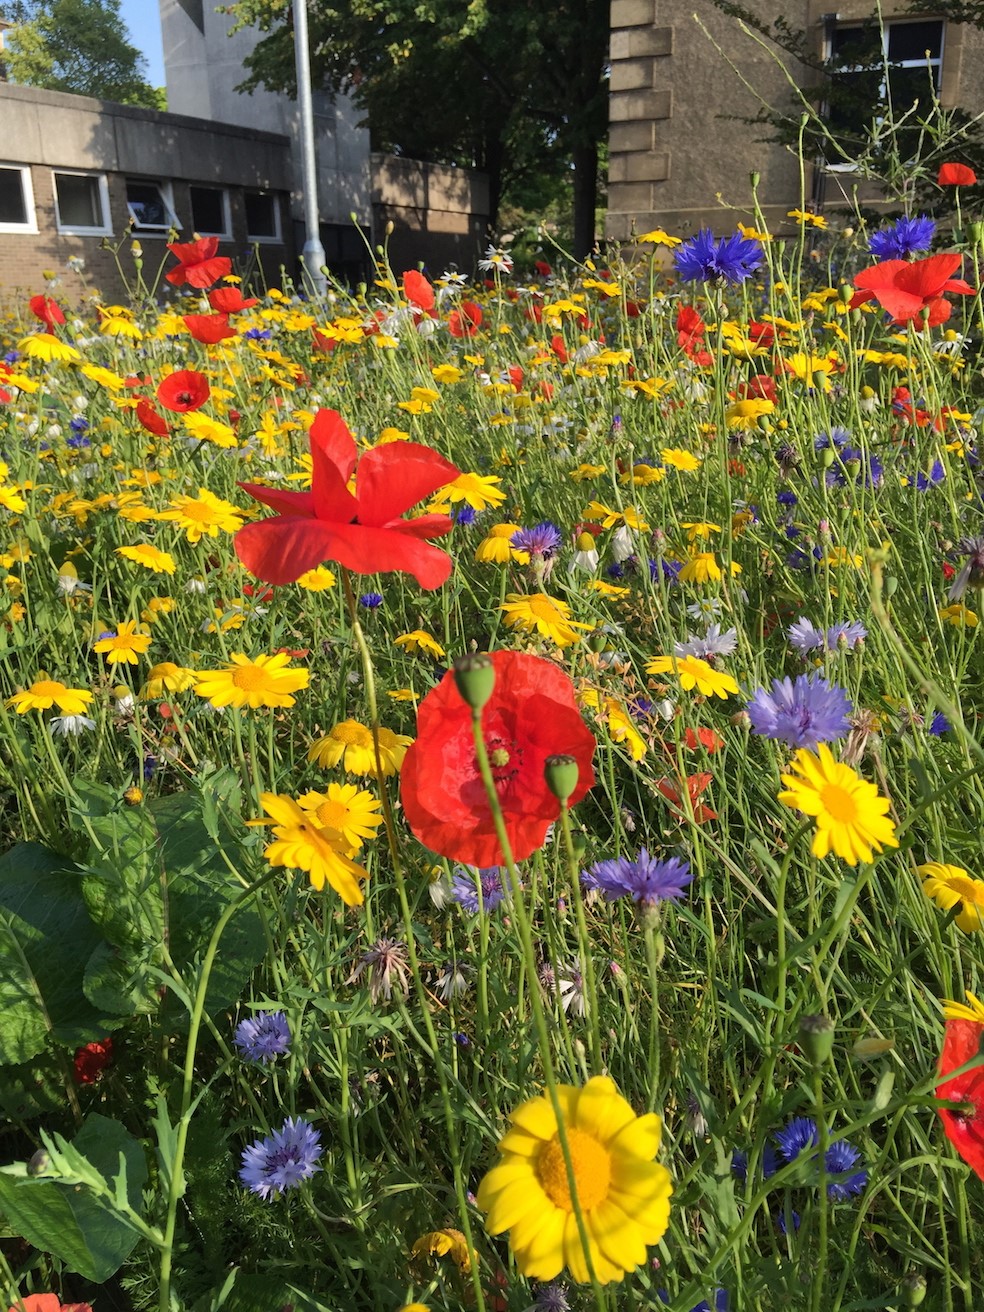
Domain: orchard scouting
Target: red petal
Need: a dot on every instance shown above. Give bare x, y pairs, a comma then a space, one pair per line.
394, 477
418, 290
299, 504
333, 457
192, 252
926, 278
280, 550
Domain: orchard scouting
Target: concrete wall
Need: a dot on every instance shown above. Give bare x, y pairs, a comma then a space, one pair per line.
49, 131
205, 64
439, 214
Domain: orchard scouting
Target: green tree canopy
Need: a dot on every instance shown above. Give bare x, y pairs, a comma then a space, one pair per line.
79, 46
517, 89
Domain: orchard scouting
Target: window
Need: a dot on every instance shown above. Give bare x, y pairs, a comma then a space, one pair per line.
82, 203
210, 211
876, 66
16, 199
262, 216
150, 207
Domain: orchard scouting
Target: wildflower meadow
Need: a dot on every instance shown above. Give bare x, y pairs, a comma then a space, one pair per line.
491, 779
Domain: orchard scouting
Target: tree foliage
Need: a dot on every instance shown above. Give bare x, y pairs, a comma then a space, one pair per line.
516, 89
79, 46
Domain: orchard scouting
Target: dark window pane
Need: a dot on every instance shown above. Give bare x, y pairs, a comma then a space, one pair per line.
13, 205
208, 211
261, 214
853, 46
912, 40
853, 102
79, 204
908, 85
147, 205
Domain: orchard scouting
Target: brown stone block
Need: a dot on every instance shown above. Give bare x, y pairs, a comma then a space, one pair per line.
631, 136
633, 13
630, 197
446, 221
642, 43
630, 74
633, 106
639, 166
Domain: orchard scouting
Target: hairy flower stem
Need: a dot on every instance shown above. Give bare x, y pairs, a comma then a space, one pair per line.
584, 943
536, 1002
460, 1190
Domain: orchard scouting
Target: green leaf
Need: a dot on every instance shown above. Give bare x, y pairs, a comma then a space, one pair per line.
69, 1221
46, 939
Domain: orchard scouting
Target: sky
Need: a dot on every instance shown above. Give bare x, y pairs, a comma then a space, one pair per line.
143, 21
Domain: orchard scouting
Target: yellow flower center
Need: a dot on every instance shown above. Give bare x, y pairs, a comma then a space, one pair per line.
250, 678
969, 891
352, 734
198, 511
592, 1171
545, 609
47, 688
839, 804
332, 814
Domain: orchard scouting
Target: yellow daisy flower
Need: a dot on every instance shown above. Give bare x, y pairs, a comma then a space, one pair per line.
11, 499
146, 554
660, 238
167, 677
261, 682
851, 817
496, 548
123, 645
622, 1194
539, 613
319, 579
974, 1011
204, 514
45, 693
351, 744
959, 616
445, 1243
479, 491
694, 673
420, 641
677, 458
951, 886
300, 844
347, 810
47, 347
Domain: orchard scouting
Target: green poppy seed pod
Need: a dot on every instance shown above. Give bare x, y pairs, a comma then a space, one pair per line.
976, 232
816, 1038
39, 1163
597, 641
827, 456
474, 677
579, 843
891, 585
561, 774
845, 292
754, 178
913, 1290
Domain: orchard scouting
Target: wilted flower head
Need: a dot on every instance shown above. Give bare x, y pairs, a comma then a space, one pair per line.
386, 962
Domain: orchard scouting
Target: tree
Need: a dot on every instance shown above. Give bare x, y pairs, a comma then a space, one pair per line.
79, 46
517, 88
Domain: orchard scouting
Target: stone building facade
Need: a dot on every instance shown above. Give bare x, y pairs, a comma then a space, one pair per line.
684, 76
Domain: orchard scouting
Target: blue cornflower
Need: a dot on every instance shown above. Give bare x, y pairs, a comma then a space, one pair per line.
923, 482
465, 515
258, 334
551, 1298
939, 725
670, 569
615, 570
840, 1159
639, 707
702, 259
149, 768
799, 1134
11, 357
262, 1037
541, 542
79, 425
836, 438
787, 498
801, 714
77, 442
782, 1223
371, 600
904, 238
768, 1165
282, 1160
849, 633
645, 880
465, 884
721, 1301
803, 636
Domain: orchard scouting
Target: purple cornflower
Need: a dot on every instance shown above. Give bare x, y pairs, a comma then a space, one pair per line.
465, 515
798, 1135
801, 714
972, 571
923, 482
645, 880
836, 438
541, 542
904, 238
840, 1159
262, 1037
282, 1160
371, 600
669, 569
551, 1298
768, 1165
803, 637
939, 725
465, 884
702, 259
714, 643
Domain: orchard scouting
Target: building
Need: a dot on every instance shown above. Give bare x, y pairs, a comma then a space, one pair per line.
684, 76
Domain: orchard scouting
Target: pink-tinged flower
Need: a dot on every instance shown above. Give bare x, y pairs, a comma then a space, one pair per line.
198, 265
365, 531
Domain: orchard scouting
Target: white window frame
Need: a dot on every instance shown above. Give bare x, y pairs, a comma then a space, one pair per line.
922, 62
167, 196
226, 233
104, 229
276, 240
30, 227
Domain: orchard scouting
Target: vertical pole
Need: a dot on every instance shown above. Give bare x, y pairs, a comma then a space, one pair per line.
313, 258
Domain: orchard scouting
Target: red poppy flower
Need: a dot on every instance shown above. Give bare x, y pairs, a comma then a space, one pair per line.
542, 268
47, 1303
710, 740
907, 288
690, 335
209, 328
559, 348
323, 343
419, 292
198, 265
531, 715
759, 388
464, 322
92, 1060
956, 175
230, 300
153, 422
47, 310
184, 390
964, 1127
696, 783
365, 532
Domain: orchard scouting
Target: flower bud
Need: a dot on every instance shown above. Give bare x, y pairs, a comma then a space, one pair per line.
133, 796
474, 677
39, 1163
561, 774
816, 1038
845, 292
913, 1290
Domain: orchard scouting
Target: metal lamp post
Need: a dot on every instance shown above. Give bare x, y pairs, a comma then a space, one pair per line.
313, 257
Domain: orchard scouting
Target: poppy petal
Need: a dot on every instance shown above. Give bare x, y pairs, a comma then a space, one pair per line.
394, 477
